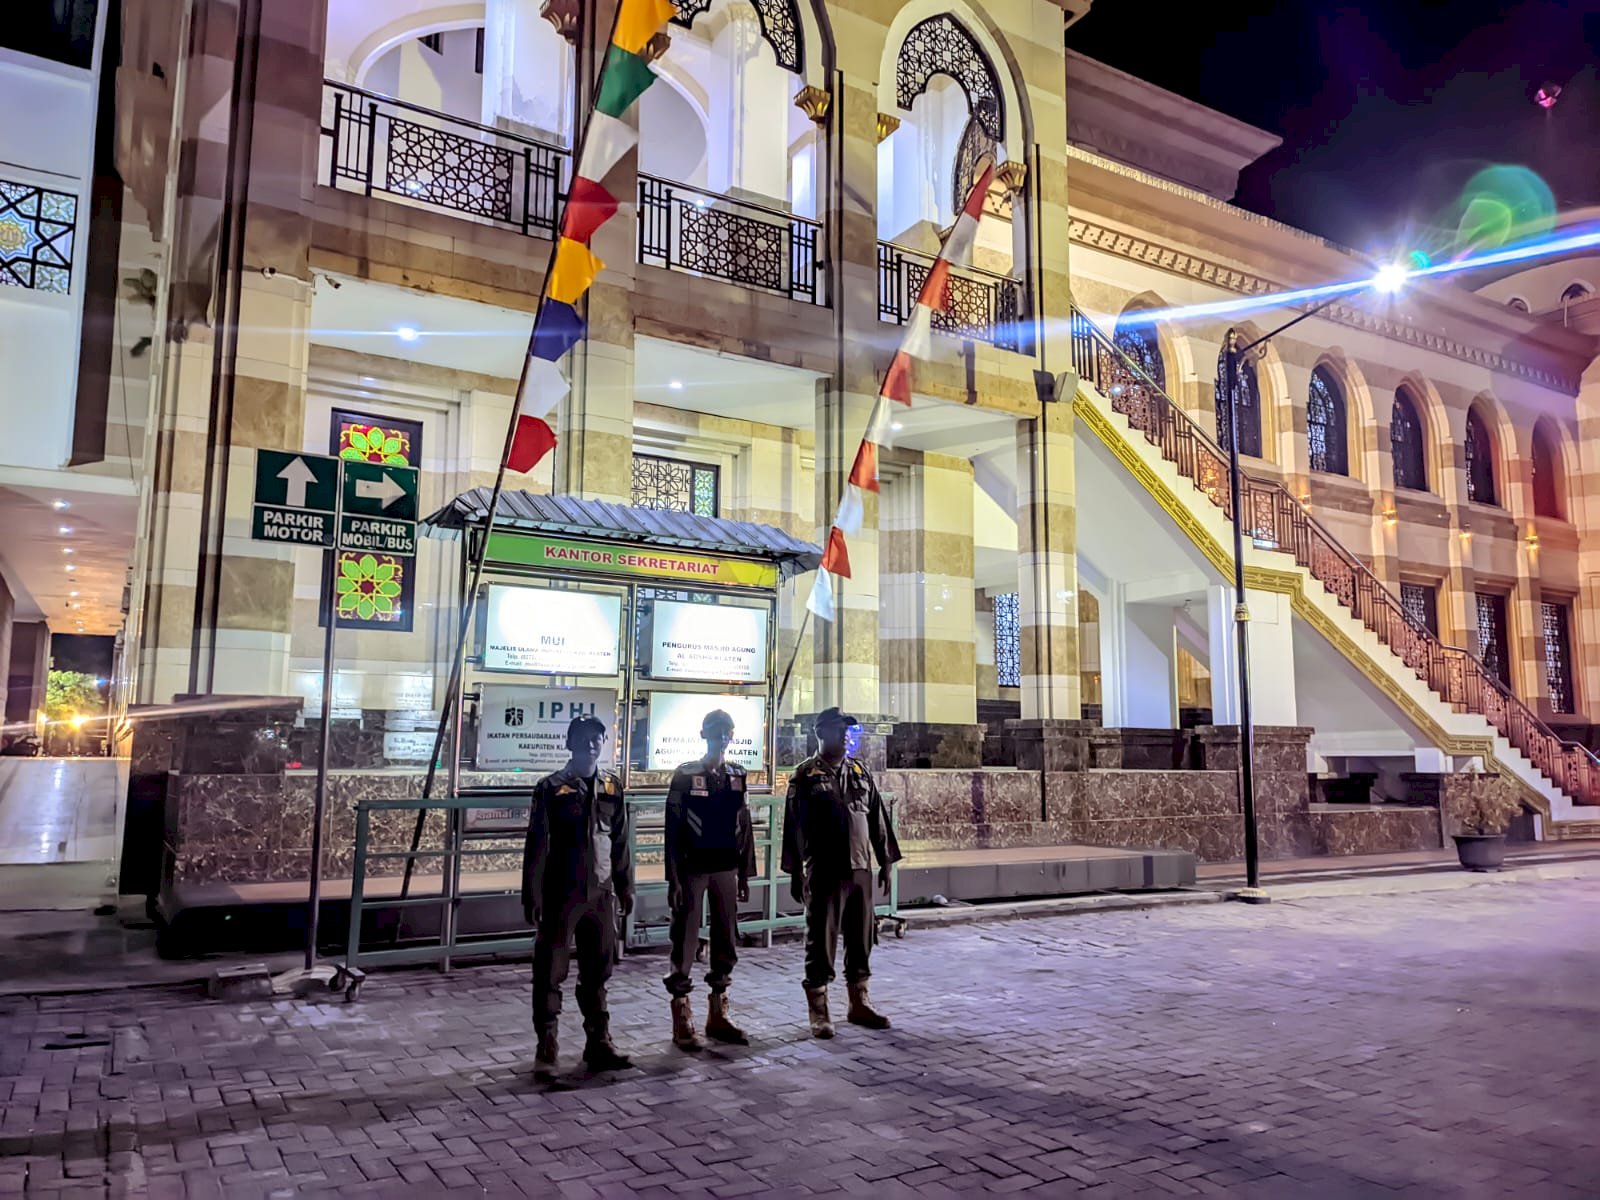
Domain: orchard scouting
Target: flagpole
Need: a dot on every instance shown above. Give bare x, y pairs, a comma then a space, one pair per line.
452, 704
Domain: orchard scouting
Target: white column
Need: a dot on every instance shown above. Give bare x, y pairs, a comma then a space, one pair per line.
1224, 655
1272, 695
527, 71
748, 150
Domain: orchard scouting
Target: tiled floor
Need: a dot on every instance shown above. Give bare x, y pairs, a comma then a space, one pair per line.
1433, 1045
60, 810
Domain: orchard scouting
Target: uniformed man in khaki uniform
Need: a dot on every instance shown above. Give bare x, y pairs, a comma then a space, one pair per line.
710, 856
577, 881
835, 826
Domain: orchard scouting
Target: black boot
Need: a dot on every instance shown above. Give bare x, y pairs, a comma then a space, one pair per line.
544, 1059
598, 1052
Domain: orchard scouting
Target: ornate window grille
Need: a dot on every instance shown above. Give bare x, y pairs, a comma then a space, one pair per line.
675, 485
1326, 425
941, 46
1139, 344
1557, 657
1480, 461
1546, 476
36, 235
1008, 639
381, 146
780, 26
974, 150
983, 306
1405, 443
1420, 603
1248, 401
1493, 648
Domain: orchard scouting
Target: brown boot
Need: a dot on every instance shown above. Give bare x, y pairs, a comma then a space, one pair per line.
817, 1002
683, 1034
861, 1010
718, 1026
544, 1058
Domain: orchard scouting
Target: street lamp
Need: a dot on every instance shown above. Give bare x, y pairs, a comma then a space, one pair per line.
1389, 280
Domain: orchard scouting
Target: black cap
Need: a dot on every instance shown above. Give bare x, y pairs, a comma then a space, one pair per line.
834, 713
716, 717
586, 721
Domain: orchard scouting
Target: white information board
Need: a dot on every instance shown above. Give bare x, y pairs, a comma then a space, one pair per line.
722, 643
524, 728
551, 632
675, 729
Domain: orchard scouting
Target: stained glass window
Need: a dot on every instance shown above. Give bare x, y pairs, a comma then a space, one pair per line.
1557, 657
1405, 443
1546, 476
1248, 401
1480, 460
1008, 639
675, 485
1139, 343
1325, 424
373, 591
36, 234
1420, 602
1493, 649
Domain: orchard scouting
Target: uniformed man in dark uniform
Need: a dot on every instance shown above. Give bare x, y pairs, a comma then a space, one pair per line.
711, 853
835, 825
577, 879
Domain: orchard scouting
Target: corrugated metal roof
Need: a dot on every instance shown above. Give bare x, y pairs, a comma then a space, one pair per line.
602, 521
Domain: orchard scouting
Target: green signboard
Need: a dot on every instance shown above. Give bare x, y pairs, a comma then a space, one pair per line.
558, 554
295, 498
378, 490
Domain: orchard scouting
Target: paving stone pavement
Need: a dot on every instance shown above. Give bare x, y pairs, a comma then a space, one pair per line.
1434, 1045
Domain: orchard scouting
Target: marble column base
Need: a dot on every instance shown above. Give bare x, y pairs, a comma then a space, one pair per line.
1050, 745
925, 744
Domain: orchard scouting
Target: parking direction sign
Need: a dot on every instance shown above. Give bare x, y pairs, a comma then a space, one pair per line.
295, 498
376, 490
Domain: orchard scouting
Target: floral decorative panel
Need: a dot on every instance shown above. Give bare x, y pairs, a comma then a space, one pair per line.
374, 591
37, 227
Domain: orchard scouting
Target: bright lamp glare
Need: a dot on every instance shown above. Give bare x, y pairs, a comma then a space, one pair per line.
408, 333
1391, 278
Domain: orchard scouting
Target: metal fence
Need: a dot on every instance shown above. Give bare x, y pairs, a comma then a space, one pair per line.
471, 913
983, 306
685, 229
381, 146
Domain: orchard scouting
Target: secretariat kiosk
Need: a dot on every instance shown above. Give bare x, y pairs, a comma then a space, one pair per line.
645, 618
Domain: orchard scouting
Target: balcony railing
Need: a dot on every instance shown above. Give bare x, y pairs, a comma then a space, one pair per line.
984, 307
685, 229
381, 146
1277, 521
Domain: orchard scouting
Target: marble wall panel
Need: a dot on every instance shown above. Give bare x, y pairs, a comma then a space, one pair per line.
1375, 830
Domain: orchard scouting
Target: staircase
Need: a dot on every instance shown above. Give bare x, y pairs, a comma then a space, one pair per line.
1446, 690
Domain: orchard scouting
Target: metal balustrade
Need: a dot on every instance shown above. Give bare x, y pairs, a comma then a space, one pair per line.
983, 307
1277, 521
377, 145
703, 233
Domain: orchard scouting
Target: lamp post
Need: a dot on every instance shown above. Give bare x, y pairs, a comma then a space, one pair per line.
1388, 280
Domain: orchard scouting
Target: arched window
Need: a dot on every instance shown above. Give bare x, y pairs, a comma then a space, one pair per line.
1139, 343
1574, 293
1518, 303
1480, 461
1405, 443
1325, 424
1546, 475
1248, 398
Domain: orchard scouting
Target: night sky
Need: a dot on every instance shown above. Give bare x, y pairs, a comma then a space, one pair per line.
1386, 111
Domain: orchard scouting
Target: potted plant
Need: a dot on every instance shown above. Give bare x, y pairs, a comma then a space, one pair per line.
1482, 811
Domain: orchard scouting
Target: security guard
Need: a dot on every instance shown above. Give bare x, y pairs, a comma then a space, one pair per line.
710, 852
576, 880
835, 825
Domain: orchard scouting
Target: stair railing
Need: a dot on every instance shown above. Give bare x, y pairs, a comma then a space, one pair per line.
1275, 520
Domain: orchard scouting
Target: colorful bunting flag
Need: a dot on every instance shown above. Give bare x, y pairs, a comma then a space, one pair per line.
607, 136
915, 344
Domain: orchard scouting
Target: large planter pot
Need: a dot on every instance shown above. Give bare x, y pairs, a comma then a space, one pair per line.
1481, 851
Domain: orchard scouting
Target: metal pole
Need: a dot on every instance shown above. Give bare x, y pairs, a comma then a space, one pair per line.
1251, 892
319, 805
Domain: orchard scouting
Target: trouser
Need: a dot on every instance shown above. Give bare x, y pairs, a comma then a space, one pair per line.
721, 888
590, 923
834, 907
